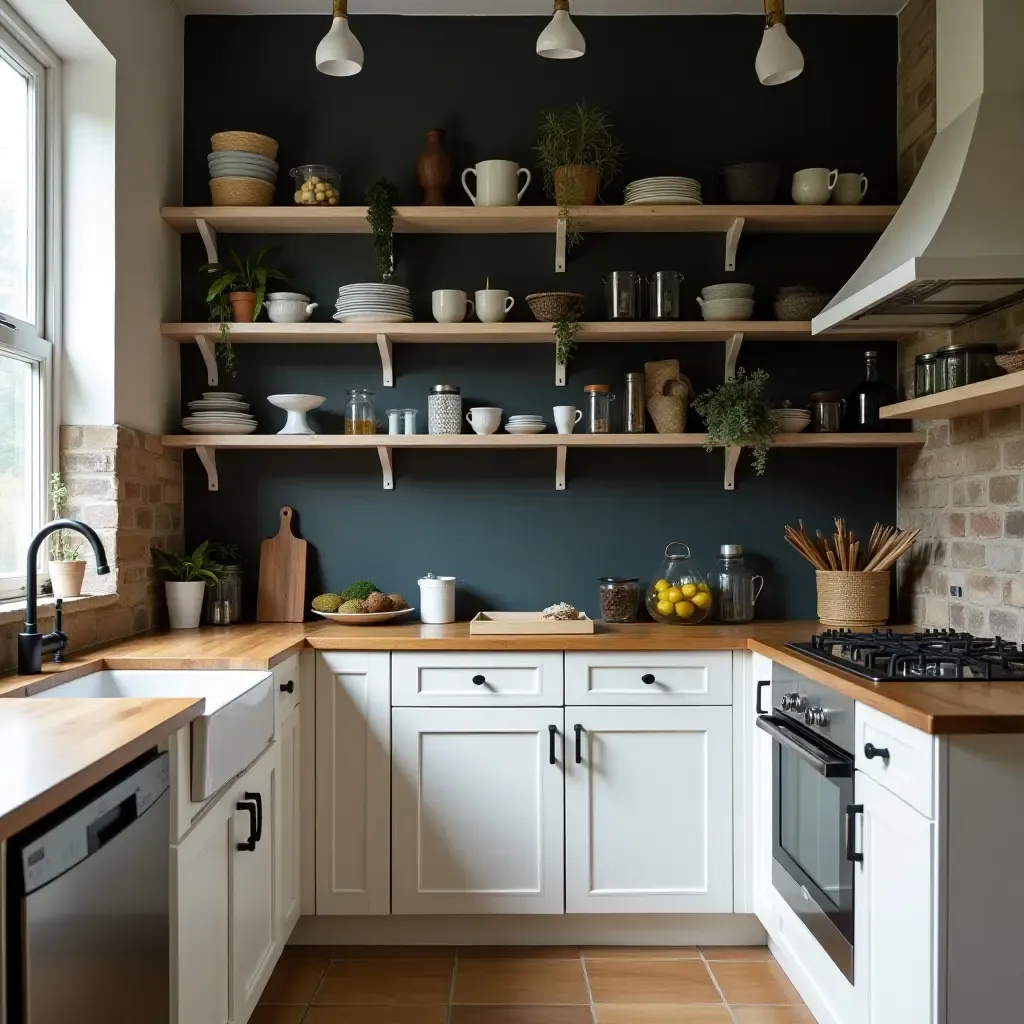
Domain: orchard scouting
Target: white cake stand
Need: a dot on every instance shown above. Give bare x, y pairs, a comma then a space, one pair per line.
296, 406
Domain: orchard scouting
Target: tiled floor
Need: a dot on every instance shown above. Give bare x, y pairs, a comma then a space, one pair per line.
534, 985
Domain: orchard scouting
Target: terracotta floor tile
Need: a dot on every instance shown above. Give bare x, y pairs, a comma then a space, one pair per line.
653, 1014
651, 981
773, 1015
277, 1015
746, 982
641, 952
387, 982
520, 981
294, 981
737, 953
394, 952
519, 952
521, 1015
376, 1015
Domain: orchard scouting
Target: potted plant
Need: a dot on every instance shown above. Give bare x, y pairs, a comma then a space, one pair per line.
381, 197
67, 570
738, 412
236, 296
186, 578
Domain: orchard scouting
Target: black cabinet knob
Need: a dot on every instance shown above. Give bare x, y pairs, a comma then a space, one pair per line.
870, 751
288, 687
479, 680
647, 678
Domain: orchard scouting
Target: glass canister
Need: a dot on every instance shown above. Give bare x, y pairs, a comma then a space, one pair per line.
634, 408
679, 595
735, 587
619, 598
224, 601
623, 291
444, 409
359, 416
926, 375
599, 408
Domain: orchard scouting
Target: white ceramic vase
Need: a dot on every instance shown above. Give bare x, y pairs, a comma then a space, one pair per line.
185, 603
66, 578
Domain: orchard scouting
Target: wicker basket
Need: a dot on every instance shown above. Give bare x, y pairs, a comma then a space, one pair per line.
854, 599
551, 306
244, 142
241, 192
1011, 362
799, 305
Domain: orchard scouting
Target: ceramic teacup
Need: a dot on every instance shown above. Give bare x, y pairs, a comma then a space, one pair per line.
850, 189
813, 186
566, 417
484, 419
450, 305
493, 304
496, 183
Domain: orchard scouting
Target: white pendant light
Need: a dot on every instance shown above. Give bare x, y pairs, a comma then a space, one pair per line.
779, 59
339, 52
561, 39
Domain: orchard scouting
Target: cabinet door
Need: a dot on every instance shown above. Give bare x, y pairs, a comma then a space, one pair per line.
649, 810
353, 782
477, 811
894, 913
253, 880
287, 827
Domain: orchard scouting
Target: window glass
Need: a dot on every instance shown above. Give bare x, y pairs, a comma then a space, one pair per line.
16, 193
18, 452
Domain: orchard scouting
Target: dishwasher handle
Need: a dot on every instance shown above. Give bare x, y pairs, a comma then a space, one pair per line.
110, 825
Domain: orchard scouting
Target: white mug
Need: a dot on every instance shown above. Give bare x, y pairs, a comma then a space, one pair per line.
850, 189
566, 417
813, 186
450, 305
496, 183
493, 304
484, 419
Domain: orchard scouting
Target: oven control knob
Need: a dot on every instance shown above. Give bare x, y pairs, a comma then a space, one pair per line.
792, 702
816, 716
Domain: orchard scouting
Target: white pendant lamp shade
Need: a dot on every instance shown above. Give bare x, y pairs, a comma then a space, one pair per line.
561, 39
339, 52
779, 59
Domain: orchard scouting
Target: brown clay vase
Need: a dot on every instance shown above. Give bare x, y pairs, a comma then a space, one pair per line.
434, 169
243, 306
576, 185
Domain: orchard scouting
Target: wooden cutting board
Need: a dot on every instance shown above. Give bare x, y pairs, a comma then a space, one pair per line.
282, 593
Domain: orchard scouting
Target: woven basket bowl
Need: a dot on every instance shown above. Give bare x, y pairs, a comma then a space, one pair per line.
244, 142
854, 599
551, 306
805, 306
1011, 362
241, 192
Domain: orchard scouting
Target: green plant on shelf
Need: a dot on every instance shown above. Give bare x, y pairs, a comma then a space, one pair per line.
381, 197
566, 328
197, 567
738, 413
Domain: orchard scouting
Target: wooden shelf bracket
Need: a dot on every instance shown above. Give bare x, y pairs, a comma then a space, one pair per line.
560, 454
732, 457
732, 353
386, 359
208, 350
384, 454
209, 237
561, 233
732, 242
208, 457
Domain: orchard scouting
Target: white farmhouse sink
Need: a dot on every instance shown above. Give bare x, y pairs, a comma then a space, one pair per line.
232, 732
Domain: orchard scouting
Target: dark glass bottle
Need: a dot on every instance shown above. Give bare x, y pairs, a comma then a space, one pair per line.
867, 398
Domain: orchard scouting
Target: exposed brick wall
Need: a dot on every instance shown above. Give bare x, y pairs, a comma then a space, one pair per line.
916, 87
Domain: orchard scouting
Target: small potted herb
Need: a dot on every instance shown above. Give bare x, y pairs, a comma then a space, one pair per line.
67, 570
738, 413
381, 197
186, 578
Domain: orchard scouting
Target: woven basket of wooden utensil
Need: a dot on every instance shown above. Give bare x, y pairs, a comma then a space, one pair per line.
856, 600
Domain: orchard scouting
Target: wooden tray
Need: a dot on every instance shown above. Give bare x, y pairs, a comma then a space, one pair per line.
497, 623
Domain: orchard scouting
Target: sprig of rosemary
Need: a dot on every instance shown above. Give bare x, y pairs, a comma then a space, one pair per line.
381, 197
738, 413
566, 327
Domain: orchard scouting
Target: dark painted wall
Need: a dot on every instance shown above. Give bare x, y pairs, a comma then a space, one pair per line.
685, 100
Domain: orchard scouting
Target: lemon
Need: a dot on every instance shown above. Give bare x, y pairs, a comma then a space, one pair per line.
661, 585
684, 609
689, 589
673, 594
665, 607
702, 600
704, 587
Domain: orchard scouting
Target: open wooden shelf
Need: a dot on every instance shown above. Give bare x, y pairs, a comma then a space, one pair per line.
998, 393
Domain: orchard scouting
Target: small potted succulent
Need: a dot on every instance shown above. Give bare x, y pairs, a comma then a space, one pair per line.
739, 413
186, 578
67, 570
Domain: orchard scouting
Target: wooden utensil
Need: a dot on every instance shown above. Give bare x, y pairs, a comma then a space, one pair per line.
282, 593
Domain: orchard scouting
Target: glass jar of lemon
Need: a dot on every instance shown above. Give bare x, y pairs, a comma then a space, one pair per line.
679, 595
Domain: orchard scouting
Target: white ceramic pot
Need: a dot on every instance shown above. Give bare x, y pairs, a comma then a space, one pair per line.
496, 183
289, 307
813, 186
66, 578
185, 603
437, 599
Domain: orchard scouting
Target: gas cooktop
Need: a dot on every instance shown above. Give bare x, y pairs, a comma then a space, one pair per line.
936, 654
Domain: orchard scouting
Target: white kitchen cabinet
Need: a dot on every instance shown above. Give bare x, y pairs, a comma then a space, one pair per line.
648, 677
353, 782
288, 801
476, 678
649, 810
477, 810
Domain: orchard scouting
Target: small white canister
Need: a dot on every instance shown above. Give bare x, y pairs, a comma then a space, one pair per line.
444, 410
437, 598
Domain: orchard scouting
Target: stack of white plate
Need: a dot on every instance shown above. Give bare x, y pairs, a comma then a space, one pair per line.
525, 425
663, 191
373, 303
219, 412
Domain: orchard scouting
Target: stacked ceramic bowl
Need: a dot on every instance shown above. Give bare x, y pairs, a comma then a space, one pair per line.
525, 425
243, 169
727, 302
791, 421
219, 412
373, 304
666, 191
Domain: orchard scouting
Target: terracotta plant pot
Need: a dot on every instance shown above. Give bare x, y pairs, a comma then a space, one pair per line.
185, 603
66, 578
243, 307
434, 169
576, 185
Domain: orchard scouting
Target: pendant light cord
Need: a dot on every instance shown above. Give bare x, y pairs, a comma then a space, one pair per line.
341, 8
774, 12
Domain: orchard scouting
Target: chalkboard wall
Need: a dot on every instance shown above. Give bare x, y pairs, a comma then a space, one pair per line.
685, 100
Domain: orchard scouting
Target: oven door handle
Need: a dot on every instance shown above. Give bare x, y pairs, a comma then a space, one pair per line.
821, 761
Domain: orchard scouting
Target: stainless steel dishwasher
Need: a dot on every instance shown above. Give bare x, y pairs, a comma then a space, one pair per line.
87, 930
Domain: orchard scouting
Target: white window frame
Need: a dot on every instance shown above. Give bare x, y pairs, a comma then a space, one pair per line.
38, 343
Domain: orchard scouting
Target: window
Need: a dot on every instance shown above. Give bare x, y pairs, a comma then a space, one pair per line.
27, 291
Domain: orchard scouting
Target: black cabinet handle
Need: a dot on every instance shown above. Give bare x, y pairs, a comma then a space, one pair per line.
250, 844
647, 678
288, 687
552, 733
479, 680
760, 687
257, 799
578, 729
852, 810
870, 751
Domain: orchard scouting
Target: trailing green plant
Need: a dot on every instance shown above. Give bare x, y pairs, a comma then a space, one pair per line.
381, 197
567, 326
64, 544
194, 568
248, 275
738, 412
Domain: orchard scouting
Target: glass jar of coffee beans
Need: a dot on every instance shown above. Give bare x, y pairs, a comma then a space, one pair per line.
619, 598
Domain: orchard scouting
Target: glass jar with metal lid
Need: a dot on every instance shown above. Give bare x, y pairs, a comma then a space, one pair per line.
968, 364
444, 409
224, 600
619, 597
633, 410
359, 414
929, 374
599, 407
735, 587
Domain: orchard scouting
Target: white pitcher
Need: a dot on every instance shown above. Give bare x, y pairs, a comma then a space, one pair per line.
496, 182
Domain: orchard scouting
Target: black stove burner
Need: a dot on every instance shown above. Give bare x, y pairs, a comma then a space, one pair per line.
936, 654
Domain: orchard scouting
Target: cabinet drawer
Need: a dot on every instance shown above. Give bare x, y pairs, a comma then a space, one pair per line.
286, 687
471, 679
642, 677
909, 770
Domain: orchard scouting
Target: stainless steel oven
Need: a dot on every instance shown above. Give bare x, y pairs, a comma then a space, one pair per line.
813, 808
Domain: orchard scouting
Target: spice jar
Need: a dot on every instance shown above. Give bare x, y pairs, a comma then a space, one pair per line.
359, 417
618, 598
444, 409
599, 404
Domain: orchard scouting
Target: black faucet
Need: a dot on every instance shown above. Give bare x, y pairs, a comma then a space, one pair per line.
32, 644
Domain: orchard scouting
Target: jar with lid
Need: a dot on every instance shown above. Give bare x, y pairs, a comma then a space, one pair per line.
679, 595
359, 415
599, 408
618, 597
929, 374
968, 364
444, 409
633, 411
736, 589
224, 602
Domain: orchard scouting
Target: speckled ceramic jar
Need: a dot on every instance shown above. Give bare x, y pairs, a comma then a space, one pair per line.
444, 410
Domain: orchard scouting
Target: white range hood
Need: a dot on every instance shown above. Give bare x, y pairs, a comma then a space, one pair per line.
955, 249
